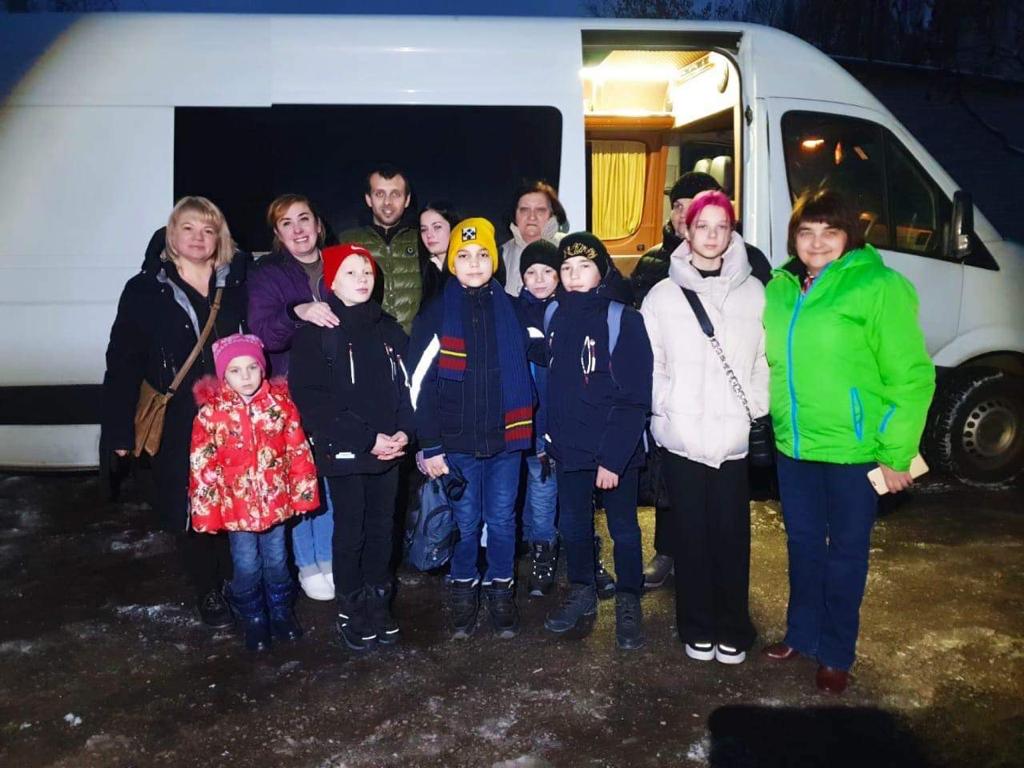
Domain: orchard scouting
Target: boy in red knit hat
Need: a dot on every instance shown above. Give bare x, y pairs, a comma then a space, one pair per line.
251, 469
353, 394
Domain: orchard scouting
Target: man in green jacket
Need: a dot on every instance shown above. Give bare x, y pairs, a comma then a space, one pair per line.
393, 244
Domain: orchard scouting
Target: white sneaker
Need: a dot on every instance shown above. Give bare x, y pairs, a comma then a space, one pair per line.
700, 651
726, 654
330, 579
316, 586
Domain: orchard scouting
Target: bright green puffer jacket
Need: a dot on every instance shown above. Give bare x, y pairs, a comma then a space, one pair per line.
851, 380
399, 264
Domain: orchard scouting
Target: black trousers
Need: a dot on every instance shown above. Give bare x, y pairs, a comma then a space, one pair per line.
711, 542
206, 560
364, 518
662, 531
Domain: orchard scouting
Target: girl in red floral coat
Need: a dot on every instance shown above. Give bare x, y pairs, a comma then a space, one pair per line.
251, 469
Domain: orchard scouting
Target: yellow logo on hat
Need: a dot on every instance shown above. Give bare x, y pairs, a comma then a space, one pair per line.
581, 249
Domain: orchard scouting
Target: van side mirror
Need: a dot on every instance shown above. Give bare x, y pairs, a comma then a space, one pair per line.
961, 226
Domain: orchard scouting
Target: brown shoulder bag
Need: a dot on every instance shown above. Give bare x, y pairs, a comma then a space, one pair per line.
152, 405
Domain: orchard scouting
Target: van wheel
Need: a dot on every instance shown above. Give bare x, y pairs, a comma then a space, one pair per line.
976, 426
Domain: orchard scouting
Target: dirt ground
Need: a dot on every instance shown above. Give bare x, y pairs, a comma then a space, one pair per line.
102, 664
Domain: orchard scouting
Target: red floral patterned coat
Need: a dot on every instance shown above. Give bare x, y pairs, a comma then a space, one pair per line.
251, 467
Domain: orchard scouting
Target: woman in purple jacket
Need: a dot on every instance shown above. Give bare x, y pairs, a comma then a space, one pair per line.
285, 293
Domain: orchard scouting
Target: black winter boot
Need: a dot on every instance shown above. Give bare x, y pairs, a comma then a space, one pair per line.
501, 605
353, 624
577, 611
465, 603
542, 568
252, 611
604, 580
280, 600
378, 608
629, 621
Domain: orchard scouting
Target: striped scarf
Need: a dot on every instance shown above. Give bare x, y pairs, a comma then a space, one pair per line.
516, 392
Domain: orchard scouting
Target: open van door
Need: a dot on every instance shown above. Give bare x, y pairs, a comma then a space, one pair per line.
905, 213
656, 104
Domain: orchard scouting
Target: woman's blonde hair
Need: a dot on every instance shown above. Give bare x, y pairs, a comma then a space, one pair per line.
209, 213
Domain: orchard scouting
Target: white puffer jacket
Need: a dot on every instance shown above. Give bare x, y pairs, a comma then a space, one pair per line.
512, 253
696, 414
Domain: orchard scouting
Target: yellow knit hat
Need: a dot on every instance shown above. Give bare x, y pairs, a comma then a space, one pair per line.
475, 231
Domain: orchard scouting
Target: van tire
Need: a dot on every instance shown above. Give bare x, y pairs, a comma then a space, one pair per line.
976, 426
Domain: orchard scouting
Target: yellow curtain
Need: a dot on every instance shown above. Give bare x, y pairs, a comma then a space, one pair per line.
617, 171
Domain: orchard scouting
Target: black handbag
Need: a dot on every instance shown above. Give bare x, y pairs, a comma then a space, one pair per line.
761, 448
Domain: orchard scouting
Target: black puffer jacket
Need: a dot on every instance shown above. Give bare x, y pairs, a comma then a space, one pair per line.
154, 331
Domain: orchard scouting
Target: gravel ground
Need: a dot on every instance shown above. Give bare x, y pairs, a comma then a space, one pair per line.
102, 664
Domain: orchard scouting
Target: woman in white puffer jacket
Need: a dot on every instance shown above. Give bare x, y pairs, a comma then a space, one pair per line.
701, 424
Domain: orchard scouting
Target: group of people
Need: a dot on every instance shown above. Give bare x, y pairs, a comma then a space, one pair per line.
535, 361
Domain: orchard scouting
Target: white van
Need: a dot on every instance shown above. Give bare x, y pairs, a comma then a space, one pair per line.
107, 118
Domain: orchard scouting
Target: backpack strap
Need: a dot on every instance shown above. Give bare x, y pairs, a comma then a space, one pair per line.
549, 312
614, 325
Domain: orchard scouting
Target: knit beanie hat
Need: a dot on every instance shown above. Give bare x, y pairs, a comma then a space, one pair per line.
336, 254
691, 184
474, 231
587, 245
236, 345
539, 252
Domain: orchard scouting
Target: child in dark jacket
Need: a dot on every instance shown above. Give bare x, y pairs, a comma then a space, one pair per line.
474, 418
538, 268
597, 407
352, 390
250, 471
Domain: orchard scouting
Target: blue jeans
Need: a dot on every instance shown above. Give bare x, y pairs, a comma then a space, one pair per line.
490, 497
258, 558
540, 504
312, 536
829, 510
576, 524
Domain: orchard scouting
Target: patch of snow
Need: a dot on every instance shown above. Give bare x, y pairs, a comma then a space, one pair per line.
153, 543
699, 751
72, 719
166, 614
24, 726
17, 646
523, 761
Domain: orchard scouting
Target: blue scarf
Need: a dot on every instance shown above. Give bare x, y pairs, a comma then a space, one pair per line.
516, 392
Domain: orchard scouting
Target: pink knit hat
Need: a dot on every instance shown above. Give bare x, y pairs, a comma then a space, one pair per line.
237, 344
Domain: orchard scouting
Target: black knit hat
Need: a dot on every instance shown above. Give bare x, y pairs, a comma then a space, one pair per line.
691, 184
539, 252
587, 245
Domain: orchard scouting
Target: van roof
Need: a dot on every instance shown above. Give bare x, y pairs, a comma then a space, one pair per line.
154, 59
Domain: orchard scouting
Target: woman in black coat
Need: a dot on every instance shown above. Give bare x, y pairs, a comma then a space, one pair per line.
160, 317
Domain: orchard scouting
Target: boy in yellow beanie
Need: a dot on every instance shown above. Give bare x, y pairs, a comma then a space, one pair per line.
474, 418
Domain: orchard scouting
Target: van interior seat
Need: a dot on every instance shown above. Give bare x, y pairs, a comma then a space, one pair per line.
719, 168
703, 165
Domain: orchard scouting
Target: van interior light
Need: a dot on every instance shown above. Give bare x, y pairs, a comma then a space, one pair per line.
633, 72
839, 153
812, 144
860, 152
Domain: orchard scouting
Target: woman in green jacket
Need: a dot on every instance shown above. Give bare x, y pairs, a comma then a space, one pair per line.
851, 382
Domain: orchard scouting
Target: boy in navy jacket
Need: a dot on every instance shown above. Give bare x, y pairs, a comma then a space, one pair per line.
474, 418
352, 391
597, 407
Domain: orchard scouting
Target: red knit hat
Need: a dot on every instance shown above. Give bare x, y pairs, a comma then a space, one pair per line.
236, 345
336, 254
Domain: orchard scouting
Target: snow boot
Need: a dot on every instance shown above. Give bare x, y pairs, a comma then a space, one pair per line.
252, 610
501, 605
577, 611
542, 568
353, 623
604, 580
464, 601
281, 599
378, 608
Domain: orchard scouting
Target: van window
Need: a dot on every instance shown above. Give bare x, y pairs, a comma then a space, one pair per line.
618, 176
473, 156
901, 208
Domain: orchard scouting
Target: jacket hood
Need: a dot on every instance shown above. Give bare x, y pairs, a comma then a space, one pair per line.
208, 389
867, 256
735, 266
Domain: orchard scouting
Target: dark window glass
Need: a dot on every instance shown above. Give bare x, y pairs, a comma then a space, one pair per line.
920, 211
242, 157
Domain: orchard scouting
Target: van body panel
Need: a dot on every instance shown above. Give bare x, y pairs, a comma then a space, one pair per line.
87, 146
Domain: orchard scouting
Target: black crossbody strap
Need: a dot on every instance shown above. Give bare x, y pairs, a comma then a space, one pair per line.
699, 311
